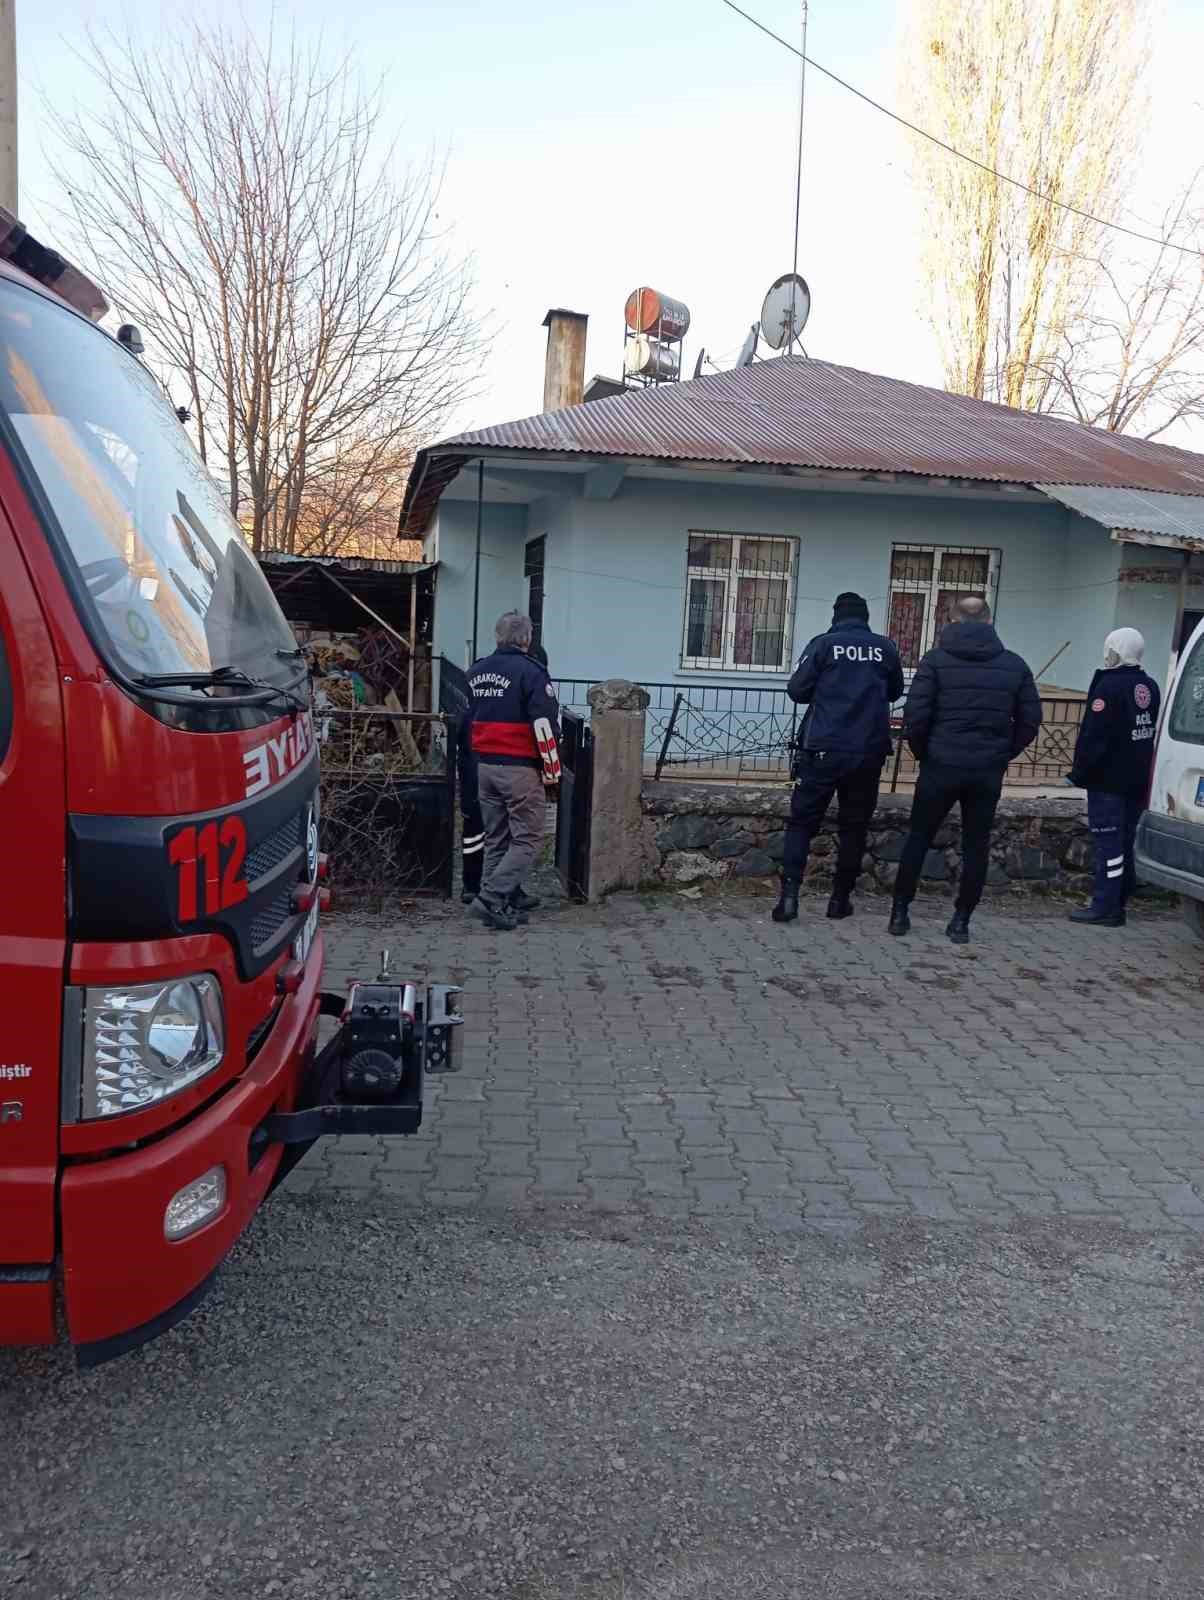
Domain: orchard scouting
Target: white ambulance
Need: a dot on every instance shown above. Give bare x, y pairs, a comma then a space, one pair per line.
1170, 836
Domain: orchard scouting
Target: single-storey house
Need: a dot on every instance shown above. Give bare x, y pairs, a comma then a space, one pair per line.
696, 532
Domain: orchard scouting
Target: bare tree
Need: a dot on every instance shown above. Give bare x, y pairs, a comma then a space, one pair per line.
1133, 360
1048, 92
352, 506
239, 202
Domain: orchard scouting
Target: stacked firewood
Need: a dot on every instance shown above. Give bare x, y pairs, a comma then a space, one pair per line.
356, 678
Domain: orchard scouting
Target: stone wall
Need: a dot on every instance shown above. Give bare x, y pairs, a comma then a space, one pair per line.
699, 831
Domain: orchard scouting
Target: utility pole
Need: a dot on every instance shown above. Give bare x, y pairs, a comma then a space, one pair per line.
788, 342
8, 105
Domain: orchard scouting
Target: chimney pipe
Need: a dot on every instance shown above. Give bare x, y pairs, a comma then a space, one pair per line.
564, 364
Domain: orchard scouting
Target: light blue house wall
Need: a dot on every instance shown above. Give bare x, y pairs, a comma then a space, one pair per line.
1086, 602
1141, 601
452, 541
1147, 598
615, 572
618, 596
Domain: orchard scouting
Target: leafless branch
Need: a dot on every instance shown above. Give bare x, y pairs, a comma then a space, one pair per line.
1133, 362
239, 202
1049, 90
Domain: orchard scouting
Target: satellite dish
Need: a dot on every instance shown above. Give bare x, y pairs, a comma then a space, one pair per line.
748, 349
702, 355
785, 312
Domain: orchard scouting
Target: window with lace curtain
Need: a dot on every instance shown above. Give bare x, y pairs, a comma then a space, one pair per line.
739, 611
926, 582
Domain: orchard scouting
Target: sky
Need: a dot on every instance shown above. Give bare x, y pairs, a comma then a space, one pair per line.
596, 147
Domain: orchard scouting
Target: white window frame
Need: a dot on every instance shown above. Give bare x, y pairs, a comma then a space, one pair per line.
931, 587
729, 576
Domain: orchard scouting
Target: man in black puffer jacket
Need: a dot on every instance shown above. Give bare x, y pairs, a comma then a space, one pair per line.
972, 708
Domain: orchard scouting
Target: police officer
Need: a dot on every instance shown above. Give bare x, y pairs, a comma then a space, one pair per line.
515, 734
849, 678
1112, 759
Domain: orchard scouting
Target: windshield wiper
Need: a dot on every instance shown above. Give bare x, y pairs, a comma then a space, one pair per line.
222, 678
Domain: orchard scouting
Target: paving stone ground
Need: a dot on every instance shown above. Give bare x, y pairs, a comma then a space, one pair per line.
689, 1058
790, 1263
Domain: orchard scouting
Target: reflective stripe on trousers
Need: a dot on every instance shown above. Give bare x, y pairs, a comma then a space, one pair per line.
1112, 819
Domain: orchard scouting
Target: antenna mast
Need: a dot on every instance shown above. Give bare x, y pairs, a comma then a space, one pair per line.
798, 174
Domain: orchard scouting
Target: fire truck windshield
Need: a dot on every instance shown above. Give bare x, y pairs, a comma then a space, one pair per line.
160, 565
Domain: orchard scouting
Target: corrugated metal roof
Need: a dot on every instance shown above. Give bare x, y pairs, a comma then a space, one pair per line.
794, 412
1171, 516
280, 558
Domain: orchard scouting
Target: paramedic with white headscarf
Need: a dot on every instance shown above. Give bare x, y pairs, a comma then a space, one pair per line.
1112, 762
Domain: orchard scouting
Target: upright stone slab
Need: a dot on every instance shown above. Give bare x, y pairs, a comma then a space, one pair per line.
618, 849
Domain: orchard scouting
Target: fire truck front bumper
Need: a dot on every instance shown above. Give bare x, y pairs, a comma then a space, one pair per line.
144, 1233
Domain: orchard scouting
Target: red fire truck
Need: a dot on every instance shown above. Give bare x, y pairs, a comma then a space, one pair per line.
160, 955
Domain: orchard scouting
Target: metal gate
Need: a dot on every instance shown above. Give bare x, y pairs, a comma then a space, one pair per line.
574, 810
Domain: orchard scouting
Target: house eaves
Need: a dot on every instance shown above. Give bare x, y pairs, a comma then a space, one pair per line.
792, 412
1139, 516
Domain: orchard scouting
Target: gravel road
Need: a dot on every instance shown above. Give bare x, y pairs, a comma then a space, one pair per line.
383, 1403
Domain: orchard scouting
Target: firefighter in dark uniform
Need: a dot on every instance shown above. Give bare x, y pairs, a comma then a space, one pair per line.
848, 677
1112, 760
472, 844
515, 740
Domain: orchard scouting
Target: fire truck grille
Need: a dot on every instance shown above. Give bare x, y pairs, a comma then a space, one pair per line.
270, 852
267, 923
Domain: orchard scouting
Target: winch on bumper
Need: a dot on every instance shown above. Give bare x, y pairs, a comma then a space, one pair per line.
368, 1078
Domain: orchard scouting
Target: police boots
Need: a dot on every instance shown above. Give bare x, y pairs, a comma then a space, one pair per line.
1097, 918
840, 905
900, 922
786, 909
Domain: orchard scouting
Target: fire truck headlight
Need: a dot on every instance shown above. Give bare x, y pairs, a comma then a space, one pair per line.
143, 1042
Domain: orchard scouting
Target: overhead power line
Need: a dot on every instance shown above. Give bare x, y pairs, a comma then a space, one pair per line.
983, 166
680, 589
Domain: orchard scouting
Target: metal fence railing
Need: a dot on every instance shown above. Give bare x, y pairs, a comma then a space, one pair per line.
733, 732
1043, 765
727, 731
